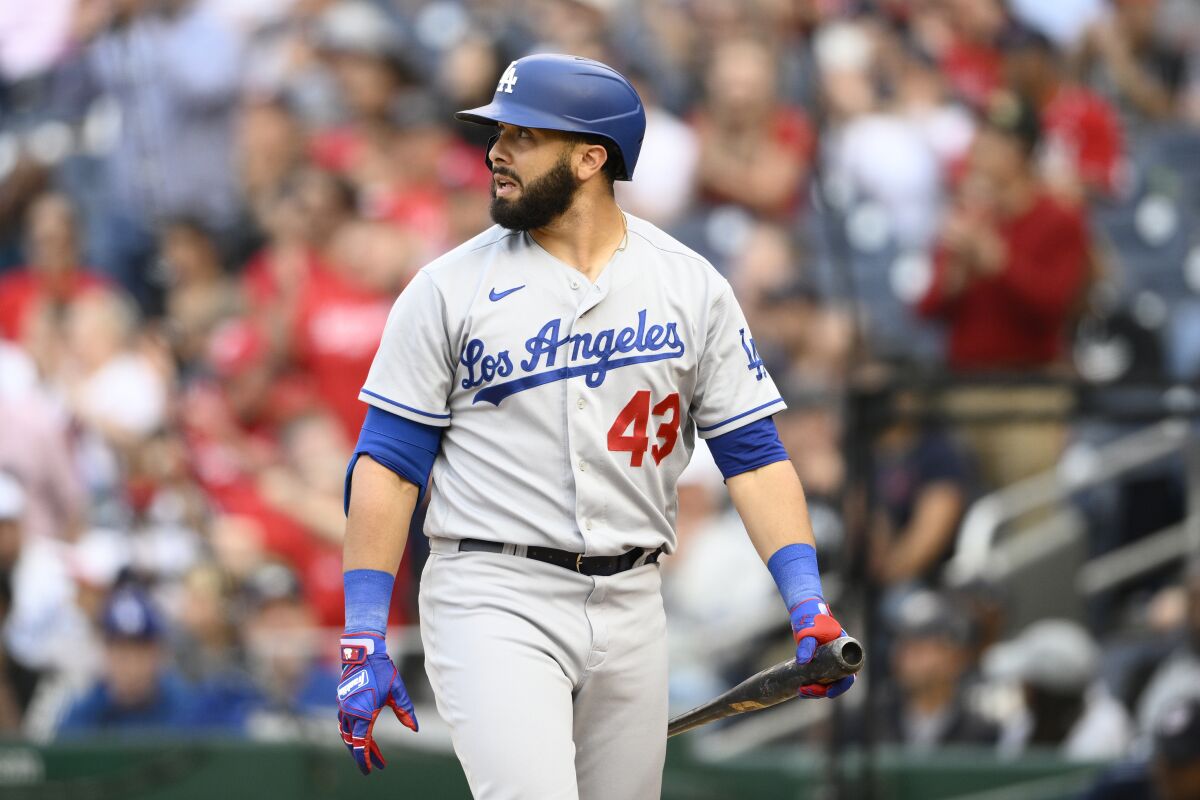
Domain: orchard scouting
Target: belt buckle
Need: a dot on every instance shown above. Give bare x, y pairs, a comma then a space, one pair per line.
579, 563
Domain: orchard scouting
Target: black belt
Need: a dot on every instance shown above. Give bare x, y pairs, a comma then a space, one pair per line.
576, 562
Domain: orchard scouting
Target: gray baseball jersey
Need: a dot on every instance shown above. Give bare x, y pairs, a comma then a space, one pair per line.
570, 407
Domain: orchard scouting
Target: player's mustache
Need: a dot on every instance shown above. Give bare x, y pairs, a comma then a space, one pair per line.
507, 173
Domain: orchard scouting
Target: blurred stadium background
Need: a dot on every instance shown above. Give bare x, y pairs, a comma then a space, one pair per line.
965, 233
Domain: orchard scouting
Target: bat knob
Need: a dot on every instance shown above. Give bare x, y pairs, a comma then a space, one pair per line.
851, 653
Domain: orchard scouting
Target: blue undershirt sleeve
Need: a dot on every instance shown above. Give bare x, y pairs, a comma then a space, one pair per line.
405, 447
748, 447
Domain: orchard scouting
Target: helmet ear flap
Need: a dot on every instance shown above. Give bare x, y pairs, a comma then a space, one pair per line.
487, 154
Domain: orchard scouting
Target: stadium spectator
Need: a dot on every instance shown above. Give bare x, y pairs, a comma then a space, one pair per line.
231, 420
173, 70
805, 343
931, 659
899, 135
465, 81
306, 489
54, 277
295, 252
36, 448
1010, 268
1177, 677
811, 432
1173, 770
199, 294
294, 682
270, 148
1055, 664
1082, 148
284, 59
923, 481
754, 151
165, 512
1130, 59
207, 635
969, 55
424, 175
308, 484
114, 387
367, 55
139, 692
341, 312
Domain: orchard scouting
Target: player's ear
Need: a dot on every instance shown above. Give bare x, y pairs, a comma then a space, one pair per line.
589, 159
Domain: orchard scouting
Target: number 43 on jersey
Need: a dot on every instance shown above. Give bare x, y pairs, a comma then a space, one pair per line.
636, 415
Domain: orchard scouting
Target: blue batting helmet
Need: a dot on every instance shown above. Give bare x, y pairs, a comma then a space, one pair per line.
568, 93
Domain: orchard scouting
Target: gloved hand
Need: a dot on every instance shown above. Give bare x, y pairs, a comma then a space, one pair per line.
369, 682
812, 626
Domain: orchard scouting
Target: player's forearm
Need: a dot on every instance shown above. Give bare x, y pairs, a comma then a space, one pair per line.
770, 501
381, 506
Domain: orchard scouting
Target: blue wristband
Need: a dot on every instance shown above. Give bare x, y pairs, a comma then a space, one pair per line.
368, 598
794, 568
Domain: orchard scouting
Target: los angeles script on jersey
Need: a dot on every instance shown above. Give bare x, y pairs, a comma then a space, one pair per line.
601, 351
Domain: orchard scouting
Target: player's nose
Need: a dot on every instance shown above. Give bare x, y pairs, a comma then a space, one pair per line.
497, 153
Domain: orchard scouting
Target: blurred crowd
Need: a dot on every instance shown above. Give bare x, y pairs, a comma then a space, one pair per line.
207, 208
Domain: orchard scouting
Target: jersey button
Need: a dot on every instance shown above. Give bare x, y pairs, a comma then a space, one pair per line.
574, 284
582, 465
587, 523
580, 403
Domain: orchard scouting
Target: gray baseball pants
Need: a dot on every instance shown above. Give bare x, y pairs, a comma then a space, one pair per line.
554, 684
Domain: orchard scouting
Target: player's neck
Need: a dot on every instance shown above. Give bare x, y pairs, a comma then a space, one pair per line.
586, 235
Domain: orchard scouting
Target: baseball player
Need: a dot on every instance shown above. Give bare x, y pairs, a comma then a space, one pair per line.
545, 381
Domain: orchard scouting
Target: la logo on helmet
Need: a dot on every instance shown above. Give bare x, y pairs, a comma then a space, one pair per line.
509, 79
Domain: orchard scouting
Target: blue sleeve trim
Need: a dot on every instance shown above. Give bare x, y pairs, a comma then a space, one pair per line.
739, 416
751, 446
794, 568
405, 447
401, 405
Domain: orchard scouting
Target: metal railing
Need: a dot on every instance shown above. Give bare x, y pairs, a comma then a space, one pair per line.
1083, 467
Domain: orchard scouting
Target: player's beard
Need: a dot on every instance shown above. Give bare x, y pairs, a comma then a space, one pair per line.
541, 202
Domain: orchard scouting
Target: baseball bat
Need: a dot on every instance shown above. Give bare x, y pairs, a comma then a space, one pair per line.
774, 685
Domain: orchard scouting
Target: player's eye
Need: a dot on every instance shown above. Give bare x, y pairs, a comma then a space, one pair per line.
524, 133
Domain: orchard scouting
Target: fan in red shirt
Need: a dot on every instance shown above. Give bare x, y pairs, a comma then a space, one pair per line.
1083, 144
428, 170
1011, 262
367, 56
970, 58
54, 276
235, 426
341, 313
301, 220
754, 152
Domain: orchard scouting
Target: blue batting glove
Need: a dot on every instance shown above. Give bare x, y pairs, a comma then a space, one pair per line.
369, 682
812, 626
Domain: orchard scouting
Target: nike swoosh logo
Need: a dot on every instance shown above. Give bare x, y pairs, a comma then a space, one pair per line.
493, 295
